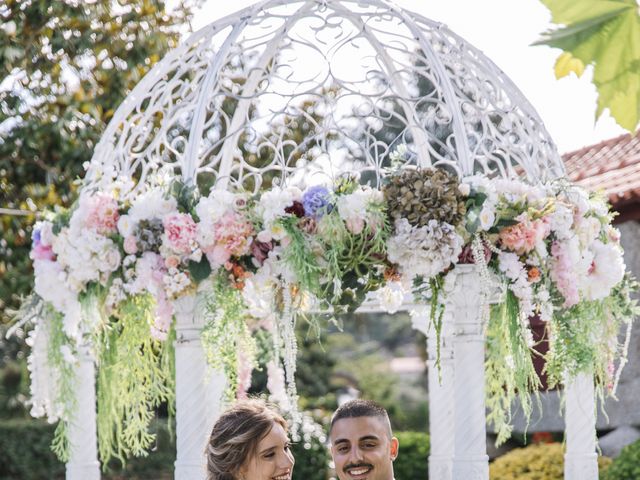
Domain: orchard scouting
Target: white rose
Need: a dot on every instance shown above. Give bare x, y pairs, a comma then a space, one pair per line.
487, 216
112, 259
464, 189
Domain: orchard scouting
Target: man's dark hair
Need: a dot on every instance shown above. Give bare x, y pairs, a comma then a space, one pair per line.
360, 408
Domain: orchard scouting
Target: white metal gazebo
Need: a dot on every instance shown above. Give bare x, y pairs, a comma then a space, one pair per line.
358, 77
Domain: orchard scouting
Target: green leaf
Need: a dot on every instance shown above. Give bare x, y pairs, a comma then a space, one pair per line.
200, 270
606, 35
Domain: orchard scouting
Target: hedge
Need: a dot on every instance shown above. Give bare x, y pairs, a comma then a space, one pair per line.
543, 461
625, 466
413, 456
25, 454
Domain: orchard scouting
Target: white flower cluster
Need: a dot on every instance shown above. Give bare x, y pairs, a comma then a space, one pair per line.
44, 378
587, 258
150, 205
86, 256
273, 203
210, 210
515, 271
424, 251
391, 296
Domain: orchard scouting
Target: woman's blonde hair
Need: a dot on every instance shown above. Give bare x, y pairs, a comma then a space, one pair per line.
235, 437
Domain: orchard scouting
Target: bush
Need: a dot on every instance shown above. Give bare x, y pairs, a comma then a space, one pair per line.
312, 460
627, 465
543, 461
25, 452
413, 457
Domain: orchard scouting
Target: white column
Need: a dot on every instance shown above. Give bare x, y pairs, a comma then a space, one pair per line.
580, 459
470, 460
441, 401
83, 461
198, 393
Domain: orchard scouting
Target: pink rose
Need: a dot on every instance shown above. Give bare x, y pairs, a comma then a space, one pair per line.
130, 245
523, 236
102, 214
233, 236
180, 232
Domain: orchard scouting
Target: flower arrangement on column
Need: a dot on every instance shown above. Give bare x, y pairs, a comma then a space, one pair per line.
108, 271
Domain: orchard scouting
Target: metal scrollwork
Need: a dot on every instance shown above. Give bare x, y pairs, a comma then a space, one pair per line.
304, 91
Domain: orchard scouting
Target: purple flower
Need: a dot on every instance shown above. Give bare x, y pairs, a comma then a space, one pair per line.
316, 201
35, 236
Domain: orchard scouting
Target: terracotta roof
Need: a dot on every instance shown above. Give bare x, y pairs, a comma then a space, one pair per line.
612, 166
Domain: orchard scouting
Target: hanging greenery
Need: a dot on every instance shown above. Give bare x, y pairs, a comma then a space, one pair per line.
261, 261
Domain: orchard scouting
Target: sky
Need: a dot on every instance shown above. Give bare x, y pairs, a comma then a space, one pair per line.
504, 30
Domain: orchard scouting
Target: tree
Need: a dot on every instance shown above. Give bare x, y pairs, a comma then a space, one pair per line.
68, 65
606, 35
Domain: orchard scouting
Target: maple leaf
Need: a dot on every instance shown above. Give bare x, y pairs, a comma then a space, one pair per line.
606, 35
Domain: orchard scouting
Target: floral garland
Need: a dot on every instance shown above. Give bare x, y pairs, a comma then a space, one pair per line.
268, 258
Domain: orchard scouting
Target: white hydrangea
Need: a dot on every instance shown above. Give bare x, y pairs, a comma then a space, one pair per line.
259, 295
211, 209
515, 190
424, 251
85, 256
152, 204
50, 284
510, 265
272, 203
561, 220
355, 204
607, 270
578, 198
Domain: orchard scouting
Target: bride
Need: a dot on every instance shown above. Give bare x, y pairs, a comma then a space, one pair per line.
249, 442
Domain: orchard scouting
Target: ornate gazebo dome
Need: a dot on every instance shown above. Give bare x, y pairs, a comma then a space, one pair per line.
285, 89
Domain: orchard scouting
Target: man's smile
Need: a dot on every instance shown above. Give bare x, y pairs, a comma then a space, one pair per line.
358, 471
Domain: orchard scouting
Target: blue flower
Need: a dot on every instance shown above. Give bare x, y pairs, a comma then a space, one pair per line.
316, 201
35, 236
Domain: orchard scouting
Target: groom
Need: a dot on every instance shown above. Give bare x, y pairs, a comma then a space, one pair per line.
362, 445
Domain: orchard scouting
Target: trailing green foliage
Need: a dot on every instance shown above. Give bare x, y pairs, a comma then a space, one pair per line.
334, 264
225, 333
575, 328
509, 368
135, 376
298, 255
66, 382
